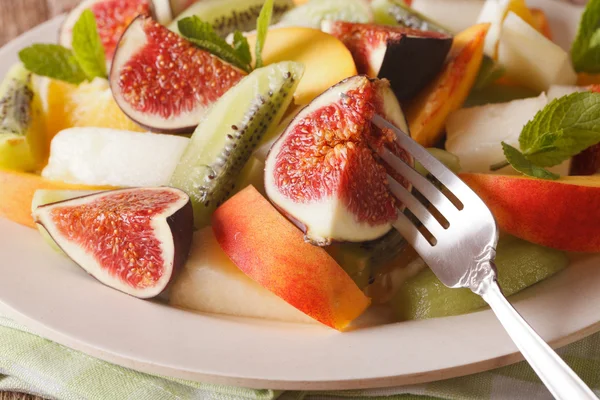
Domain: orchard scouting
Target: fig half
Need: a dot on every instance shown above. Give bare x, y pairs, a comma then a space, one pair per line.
132, 240
323, 172
165, 83
408, 58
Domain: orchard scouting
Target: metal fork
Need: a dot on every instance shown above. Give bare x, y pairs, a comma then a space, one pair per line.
460, 249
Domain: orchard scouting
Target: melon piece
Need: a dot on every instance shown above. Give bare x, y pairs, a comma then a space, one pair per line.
475, 134
102, 156
530, 58
211, 283
456, 15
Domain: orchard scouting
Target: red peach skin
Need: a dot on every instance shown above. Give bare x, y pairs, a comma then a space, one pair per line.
272, 251
563, 214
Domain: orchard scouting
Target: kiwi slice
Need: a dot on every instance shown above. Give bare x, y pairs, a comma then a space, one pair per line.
227, 16
520, 264
395, 12
22, 133
226, 138
312, 13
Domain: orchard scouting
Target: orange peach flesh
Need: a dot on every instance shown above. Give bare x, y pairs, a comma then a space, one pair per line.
563, 214
428, 112
272, 251
17, 193
540, 22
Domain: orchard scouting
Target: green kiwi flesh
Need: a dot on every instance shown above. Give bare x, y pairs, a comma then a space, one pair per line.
227, 16
20, 120
224, 141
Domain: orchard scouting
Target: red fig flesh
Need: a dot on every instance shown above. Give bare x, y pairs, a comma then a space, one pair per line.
112, 18
133, 240
163, 82
323, 173
408, 58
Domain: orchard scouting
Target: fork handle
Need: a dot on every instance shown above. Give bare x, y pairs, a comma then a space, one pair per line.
558, 377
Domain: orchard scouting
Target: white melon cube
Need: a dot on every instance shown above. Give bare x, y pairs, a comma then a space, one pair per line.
530, 58
475, 134
455, 15
101, 156
211, 283
493, 12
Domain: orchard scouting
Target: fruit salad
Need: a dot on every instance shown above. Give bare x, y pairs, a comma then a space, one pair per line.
220, 155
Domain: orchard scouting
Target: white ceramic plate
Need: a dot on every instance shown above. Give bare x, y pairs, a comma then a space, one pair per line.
58, 300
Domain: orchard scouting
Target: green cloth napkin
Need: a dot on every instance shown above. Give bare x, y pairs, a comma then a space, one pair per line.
31, 364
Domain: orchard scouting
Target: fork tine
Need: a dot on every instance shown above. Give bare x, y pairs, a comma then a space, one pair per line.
415, 206
412, 235
423, 185
445, 176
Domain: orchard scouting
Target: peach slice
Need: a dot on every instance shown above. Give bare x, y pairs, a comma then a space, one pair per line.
17, 193
326, 59
272, 251
428, 112
562, 214
584, 79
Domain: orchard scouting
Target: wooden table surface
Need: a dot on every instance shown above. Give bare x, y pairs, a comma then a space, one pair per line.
16, 17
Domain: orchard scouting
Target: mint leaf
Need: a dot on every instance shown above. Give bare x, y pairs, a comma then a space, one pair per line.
53, 61
262, 26
203, 35
564, 128
523, 165
241, 47
585, 52
87, 46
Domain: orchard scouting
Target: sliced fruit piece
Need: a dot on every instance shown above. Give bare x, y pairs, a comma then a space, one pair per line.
180, 81
394, 12
227, 16
456, 15
17, 193
226, 138
132, 240
312, 48
211, 283
322, 172
90, 104
494, 12
520, 264
428, 112
408, 58
540, 22
520, 50
313, 12
23, 144
112, 18
562, 214
44, 196
475, 134
271, 251
100, 156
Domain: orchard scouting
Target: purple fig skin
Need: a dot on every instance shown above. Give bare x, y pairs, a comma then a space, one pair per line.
181, 225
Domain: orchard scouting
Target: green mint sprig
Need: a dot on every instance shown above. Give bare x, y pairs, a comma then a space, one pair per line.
585, 51
85, 62
203, 35
262, 27
563, 129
